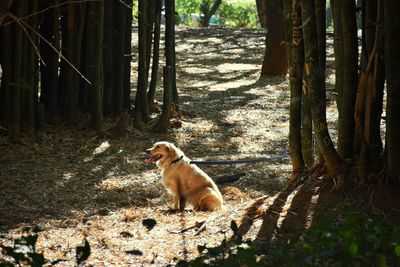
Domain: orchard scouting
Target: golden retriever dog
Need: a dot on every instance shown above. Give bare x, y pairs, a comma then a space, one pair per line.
186, 182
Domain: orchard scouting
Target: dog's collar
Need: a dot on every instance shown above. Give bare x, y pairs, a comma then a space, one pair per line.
176, 160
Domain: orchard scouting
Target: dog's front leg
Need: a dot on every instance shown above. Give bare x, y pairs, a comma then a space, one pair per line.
176, 202
182, 203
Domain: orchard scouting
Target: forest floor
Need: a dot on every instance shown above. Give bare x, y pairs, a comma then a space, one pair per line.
73, 184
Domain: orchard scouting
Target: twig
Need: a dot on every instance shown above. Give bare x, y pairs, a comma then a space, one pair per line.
55, 49
54, 6
27, 34
198, 225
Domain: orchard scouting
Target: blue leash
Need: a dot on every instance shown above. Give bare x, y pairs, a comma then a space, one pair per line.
244, 161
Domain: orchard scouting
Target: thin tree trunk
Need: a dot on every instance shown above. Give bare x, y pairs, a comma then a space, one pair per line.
162, 123
49, 28
119, 61
31, 104
170, 56
7, 73
350, 79
295, 49
156, 58
338, 51
392, 67
95, 44
141, 113
128, 58
306, 118
332, 159
108, 57
369, 105
16, 79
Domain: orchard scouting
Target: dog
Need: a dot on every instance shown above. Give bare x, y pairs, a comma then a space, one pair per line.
186, 182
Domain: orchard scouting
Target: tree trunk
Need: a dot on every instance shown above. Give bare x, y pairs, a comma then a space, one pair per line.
141, 113
207, 12
32, 63
295, 48
162, 123
95, 64
7, 72
332, 159
170, 55
262, 12
350, 78
275, 59
108, 56
156, 58
49, 29
392, 67
128, 58
369, 103
16, 78
338, 51
118, 51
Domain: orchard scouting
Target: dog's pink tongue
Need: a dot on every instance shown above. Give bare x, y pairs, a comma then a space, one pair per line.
151, 159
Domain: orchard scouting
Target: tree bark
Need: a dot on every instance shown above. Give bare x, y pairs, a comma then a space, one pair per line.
15, 128
95, 64
156, 58
170, 55
275, 58
118, 51
127, 58
350, 78
332, 159
392, 67
262, 12
141, 113
108, 57
295, 50
49, 29
338, 51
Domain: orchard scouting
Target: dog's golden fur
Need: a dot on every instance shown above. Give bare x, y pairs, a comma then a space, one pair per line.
186, 182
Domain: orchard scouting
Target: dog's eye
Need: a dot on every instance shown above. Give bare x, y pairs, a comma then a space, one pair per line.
157, 146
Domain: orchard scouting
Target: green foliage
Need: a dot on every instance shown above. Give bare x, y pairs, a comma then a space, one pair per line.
236, 13
233, 13
352, 240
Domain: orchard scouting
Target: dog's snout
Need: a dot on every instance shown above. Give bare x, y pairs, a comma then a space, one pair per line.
148, 150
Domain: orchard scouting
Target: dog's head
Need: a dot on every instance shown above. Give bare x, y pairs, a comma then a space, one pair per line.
163, 151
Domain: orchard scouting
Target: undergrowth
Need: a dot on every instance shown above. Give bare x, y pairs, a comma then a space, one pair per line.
351, 240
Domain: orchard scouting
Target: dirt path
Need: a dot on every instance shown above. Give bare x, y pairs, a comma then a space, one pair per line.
73, 184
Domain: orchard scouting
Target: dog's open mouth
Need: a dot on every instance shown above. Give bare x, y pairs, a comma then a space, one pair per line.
153, 158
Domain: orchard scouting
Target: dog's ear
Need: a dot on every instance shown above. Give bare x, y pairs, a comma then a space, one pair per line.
171, 150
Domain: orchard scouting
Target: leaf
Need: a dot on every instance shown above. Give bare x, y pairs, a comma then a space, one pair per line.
149, 223
381, 261
353, 248
82, 252
397, 250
